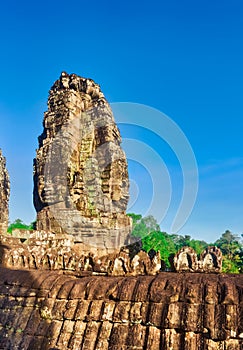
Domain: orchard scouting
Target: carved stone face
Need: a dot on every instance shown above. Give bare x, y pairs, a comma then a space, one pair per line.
80, 171
183, 260
208, 261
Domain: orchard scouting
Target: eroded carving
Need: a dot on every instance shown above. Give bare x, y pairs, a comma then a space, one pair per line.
48, 252
4, 194
210, 260
80, 171
186, 260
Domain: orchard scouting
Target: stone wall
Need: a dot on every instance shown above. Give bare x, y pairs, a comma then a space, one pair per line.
4, 194
45, 251
48, 251
80, 171
43, 310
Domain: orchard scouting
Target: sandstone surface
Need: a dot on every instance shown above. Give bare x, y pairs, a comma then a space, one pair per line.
4, 194
186, 260
43, 310
80, 171
71, 284
44, 251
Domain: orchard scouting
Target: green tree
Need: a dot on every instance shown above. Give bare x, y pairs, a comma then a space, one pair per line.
232, 252
135, 217
19, 224
182, 241
143, 226
162, 242
147, 231
198, 245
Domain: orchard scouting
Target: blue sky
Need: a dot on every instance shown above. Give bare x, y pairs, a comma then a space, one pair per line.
183, 58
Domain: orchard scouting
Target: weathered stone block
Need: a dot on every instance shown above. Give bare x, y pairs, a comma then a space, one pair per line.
121, 323
80, 171
186, 260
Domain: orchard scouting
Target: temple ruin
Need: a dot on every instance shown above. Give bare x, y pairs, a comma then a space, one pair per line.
4, 194
46, 310
210, 260
73, 283
80, 172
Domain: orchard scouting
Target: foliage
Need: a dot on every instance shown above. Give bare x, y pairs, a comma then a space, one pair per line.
143, 226
229, 266
182, 241
232, 251
148, 230
162, 242
18, 224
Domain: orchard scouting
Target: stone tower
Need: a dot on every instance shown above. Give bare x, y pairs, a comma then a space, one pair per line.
4, 195
80, 172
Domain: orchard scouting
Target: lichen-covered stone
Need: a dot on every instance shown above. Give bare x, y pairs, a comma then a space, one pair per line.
4, 194
80, 171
